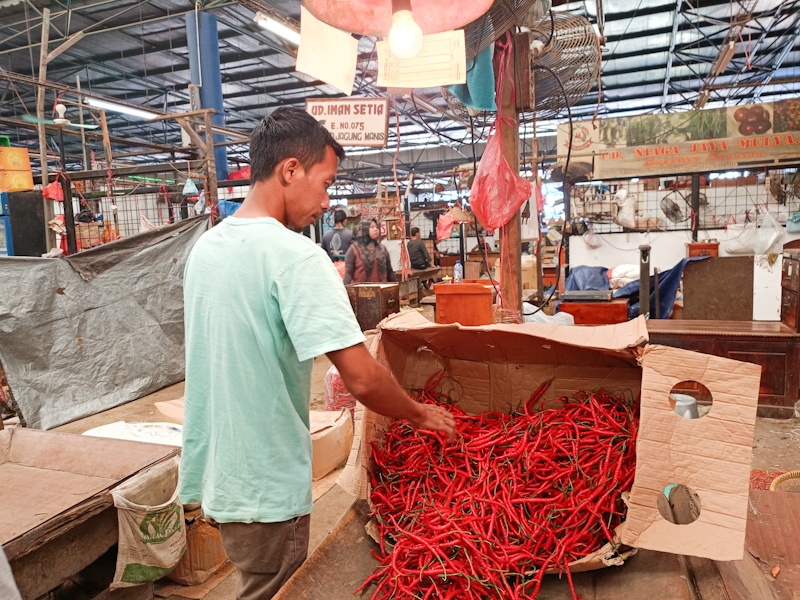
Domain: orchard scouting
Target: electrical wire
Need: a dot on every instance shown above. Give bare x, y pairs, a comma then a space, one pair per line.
552, 27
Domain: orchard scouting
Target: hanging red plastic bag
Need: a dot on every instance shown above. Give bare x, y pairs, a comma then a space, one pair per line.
53, 191
444, 228
498, 193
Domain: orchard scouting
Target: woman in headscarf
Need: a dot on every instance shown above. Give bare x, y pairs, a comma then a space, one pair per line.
367, 260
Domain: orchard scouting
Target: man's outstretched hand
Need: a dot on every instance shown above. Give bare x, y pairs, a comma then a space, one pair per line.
437, 419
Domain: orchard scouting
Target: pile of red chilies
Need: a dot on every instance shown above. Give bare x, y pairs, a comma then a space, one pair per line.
512, 496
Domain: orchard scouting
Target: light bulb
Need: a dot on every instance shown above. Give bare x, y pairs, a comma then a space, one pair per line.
405, 37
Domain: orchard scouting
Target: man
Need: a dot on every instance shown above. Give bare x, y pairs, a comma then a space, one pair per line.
417, 252
336, 241
254, 323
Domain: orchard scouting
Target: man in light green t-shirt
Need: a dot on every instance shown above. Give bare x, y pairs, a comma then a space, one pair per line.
261, 301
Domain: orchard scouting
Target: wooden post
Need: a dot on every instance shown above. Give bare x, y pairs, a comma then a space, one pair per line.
106, 139
510, 280
48, 207
211, 167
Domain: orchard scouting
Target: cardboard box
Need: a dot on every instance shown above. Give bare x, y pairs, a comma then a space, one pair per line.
14, 159
497, 366
204, 554
87, 234
331, 438
528, 273
170, 411
473, 269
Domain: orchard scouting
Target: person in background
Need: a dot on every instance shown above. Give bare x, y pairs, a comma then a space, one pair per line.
337, 241
252, 290
367, 260
417, 251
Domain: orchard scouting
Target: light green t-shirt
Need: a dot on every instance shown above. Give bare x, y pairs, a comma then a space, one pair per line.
260, 303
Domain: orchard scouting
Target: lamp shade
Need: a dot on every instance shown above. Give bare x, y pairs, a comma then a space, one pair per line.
374, 17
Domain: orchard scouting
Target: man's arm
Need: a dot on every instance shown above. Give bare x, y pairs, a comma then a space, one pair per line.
373, 385
349, 267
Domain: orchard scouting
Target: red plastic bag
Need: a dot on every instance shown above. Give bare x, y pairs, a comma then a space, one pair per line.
336, 395
444, 228
497, 193
53, 191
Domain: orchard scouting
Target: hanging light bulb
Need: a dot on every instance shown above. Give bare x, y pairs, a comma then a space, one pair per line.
405, 37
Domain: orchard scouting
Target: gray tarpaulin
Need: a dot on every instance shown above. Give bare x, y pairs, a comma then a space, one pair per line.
85, 334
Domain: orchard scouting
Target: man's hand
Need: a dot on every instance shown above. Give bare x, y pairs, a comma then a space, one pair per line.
373, 385
437, 419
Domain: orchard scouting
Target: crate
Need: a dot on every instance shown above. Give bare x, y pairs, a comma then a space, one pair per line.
409, 292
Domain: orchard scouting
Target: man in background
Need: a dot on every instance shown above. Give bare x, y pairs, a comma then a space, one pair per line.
337, 241
417, 251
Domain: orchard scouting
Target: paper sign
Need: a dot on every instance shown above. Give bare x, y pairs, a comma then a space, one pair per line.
384, 229
327, 53
442, 61
353, 121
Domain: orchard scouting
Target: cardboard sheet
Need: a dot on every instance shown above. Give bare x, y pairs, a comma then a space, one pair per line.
327, 53
711, 455
441, 61
495, 367
44, 474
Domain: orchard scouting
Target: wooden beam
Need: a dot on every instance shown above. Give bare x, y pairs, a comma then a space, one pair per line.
198, 141
211, 165
48, 207
106, 139
191, 113
71, 41
510, 280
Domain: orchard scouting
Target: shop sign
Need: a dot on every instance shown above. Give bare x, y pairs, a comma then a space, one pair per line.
719, 139
353, 121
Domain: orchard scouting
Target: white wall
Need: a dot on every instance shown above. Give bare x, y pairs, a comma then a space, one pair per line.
668, 248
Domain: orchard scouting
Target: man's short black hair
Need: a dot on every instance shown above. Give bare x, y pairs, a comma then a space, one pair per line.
414, 231
288, 133
339, 216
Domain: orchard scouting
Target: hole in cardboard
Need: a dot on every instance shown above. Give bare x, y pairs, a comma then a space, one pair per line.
679, 504
690, 399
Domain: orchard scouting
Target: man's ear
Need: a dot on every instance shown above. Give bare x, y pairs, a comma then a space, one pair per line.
289, 170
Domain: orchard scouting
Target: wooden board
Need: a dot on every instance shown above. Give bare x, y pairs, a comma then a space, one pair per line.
597, 313
59, 480
773, 530
719, 289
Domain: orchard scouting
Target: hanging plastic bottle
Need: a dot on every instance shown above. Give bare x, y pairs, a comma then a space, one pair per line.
458, 273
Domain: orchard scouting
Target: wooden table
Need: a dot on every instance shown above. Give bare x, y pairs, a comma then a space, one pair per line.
772, 345
58, 514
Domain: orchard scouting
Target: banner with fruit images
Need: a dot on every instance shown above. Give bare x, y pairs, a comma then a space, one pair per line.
718, 139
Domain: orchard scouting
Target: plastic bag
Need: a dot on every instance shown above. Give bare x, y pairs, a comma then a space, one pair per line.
336, 395
793, 223
53, 191
626, 209
444, 228
590, 238
189, 188
497, 193
755, 237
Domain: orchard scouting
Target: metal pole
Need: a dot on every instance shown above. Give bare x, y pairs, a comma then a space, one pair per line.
87, 163
462, 245
695, 204
644, 281
69, 217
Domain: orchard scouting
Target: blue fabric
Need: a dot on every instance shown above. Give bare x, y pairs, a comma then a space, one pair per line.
668, 284
478, 92
228, 207
583, 278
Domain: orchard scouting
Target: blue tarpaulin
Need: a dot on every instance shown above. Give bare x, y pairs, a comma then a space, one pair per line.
583, 278
668, 284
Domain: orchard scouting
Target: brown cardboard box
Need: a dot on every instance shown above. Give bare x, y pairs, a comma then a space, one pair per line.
528, 272
204, 554
331, 438
331, 434
473, 269
496, 366
170, 411
88, 234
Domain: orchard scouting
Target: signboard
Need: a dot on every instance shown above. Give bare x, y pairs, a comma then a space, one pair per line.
720, 139
353, 121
